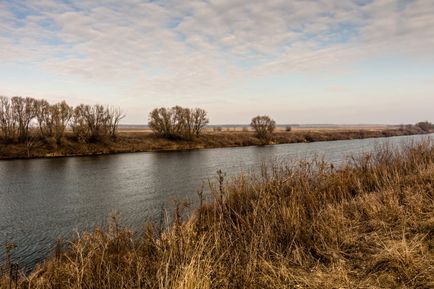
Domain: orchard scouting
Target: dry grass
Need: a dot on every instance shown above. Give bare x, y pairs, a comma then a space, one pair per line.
131, 140
368, 224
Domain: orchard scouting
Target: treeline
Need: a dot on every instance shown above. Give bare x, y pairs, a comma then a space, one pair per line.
23, 118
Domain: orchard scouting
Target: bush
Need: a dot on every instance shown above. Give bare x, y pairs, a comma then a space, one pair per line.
425, 126
263, 126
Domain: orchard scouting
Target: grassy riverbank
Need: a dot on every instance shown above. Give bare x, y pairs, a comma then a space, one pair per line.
142, 141
368, 224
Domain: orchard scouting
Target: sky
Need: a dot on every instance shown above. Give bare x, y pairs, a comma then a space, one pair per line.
334, 61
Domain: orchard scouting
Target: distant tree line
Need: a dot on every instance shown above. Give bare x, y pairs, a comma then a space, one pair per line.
25, 117
22, 118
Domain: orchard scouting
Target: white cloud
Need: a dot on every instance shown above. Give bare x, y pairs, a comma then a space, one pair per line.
196, 48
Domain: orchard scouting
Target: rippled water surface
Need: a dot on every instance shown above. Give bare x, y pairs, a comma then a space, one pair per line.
43, 199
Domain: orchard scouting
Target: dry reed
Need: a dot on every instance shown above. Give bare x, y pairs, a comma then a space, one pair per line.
367, 224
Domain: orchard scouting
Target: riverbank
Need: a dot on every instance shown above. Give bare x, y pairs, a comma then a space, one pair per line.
144, 141
368, 224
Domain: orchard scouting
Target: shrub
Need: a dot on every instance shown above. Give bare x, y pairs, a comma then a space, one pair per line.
263, 126
425, 126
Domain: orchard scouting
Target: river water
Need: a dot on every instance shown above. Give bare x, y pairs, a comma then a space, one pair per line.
43, 199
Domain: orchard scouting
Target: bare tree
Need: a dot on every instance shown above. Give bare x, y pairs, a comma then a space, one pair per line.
30, 141
264, 126
161, 122
93, 116
44, 118
115, 116
177, 122
200, 120
95, 123
61, 115
95, 119
23, 112
79, 125
7, 123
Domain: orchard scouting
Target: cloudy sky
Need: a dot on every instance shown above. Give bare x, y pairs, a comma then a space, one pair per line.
319, 61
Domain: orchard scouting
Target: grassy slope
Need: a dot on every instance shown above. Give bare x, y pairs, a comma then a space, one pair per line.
141, 141
369, 224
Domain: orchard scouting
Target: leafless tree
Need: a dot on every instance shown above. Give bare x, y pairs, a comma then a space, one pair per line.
31, 140
177, 122
264, 126
95, 123
61, 115
200, 120
7, 123
23, 112
44, 118
79, 125
182, 125
161, 122
115, 116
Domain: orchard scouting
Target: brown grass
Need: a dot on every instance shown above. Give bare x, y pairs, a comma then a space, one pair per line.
143, 140
367, 224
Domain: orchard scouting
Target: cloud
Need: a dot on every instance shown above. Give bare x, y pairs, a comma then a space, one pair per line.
193, 48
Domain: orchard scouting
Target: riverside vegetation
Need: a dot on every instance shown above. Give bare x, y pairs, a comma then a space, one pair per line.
366, 224
35, 128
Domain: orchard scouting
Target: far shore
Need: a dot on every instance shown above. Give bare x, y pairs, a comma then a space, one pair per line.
131, 140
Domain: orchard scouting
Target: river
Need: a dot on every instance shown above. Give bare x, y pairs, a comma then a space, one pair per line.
43, 199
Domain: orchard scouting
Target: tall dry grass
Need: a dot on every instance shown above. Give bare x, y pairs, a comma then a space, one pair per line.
367, 224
